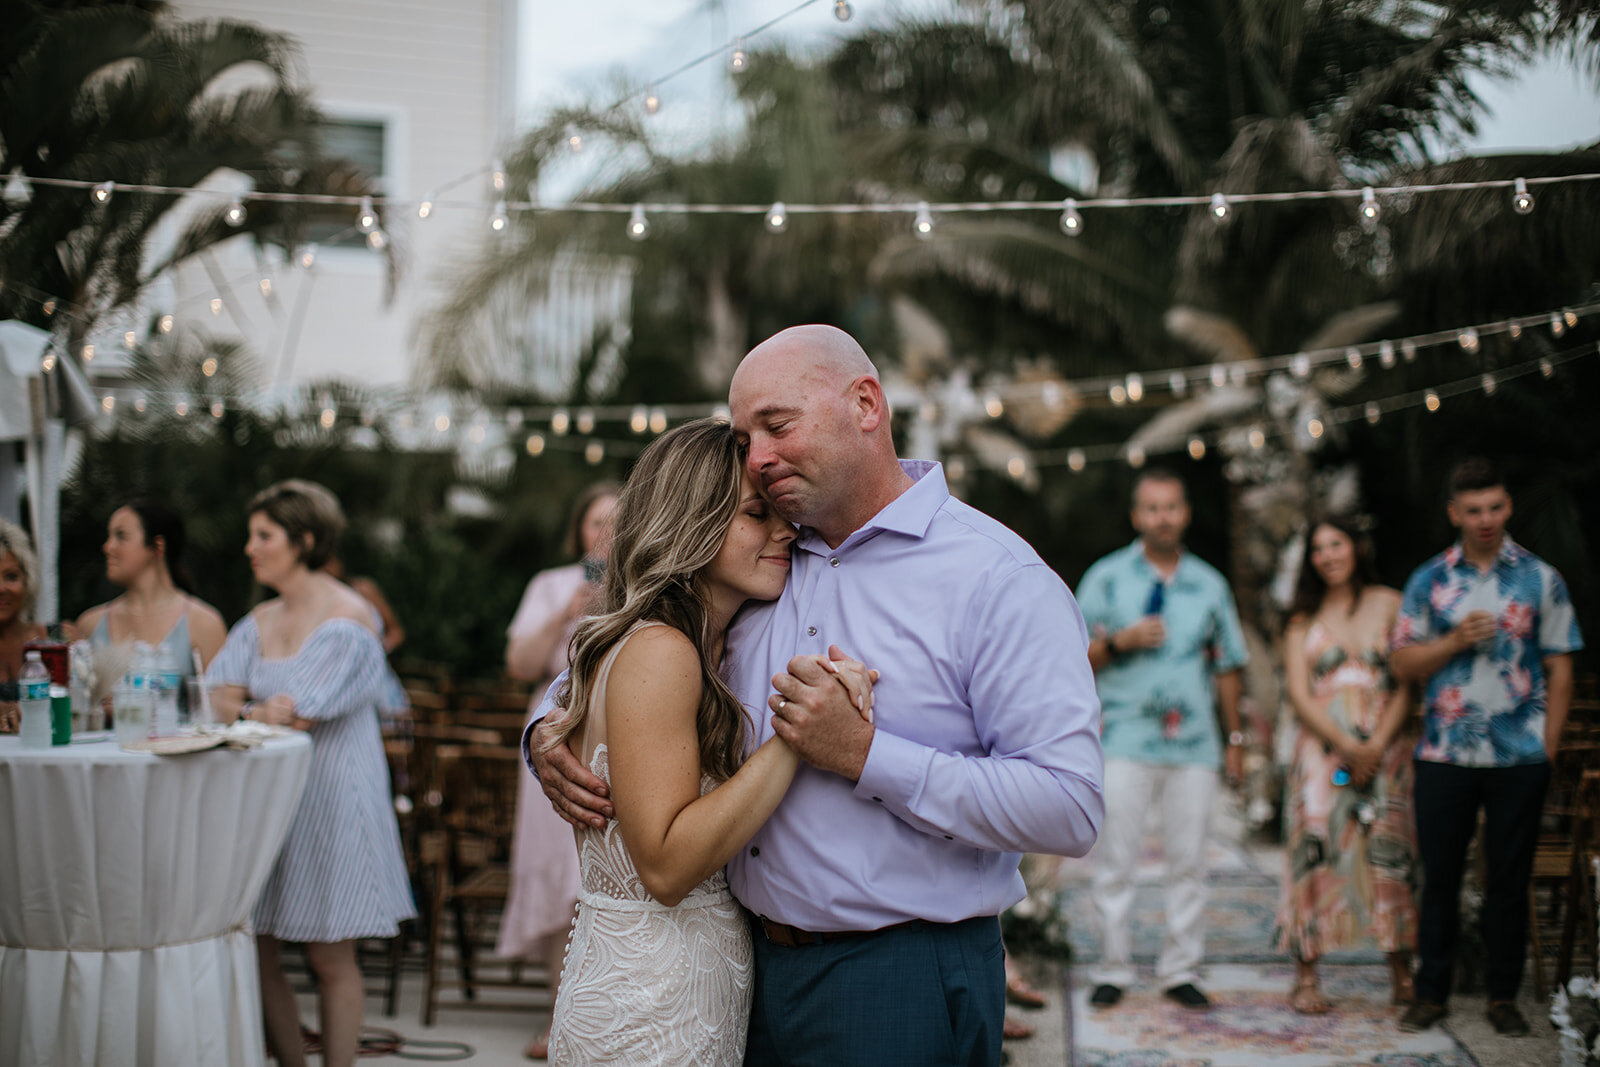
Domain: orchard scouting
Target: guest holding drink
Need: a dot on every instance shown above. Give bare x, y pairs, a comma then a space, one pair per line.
1352, 841
310, 660
144, 555
544, 868
19, 587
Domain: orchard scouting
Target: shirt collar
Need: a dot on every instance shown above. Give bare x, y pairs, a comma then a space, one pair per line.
910, 513
1509, 556
1141, 563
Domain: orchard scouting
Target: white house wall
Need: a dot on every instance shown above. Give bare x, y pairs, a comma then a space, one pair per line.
434, 74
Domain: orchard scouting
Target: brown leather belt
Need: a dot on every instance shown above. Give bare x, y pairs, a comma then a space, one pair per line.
787, 936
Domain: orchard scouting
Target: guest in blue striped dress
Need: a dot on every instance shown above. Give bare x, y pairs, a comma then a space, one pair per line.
310, 659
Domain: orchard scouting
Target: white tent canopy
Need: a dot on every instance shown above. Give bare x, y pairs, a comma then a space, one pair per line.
34, 410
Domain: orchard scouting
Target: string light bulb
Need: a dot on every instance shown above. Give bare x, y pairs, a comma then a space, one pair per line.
1177, 383
658, 420
1314, 428
1258, 439
1300, 365
739, 59
1118, 393
1219, 376
102, 192
1076, 459
48, 307
48, 363
574, 139
993, 406
366, 216
1017, 467
1369, 208
584, 423
209, 367
923, 224
1352, 356
1219, 208
217, 409
841, 10
1514, 330
164, 324
1408, 351
1386, 354
639, 421
1521, 199
1197, 449
129, 339
1558, 326
560, 421
1373, 413
638, 225
1546, 368
1431, 401
777, 218
1135, 387
1488, 383
425, 208
594, 452
377, 240
1136, 457
534, 444
652, 101
108, 403
182, 409
1570, 316
1071, 221
501, 217
308, 257
234, 216
497, 175
216, 305
1468, 340
265, 285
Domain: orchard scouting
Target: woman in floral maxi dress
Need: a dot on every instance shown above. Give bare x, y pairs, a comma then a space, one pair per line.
1351, 852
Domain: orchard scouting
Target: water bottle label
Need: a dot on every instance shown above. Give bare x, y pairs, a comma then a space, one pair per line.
35, 690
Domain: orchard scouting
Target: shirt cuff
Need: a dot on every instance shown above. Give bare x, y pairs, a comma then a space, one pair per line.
894, 771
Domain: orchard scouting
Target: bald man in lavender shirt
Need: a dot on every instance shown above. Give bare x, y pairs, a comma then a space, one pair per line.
875, 888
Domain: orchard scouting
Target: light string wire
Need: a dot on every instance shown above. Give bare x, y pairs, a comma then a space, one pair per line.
886, 208
1155, 379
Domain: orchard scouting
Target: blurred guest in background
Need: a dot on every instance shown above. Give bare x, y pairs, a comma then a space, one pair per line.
544, 867
310, 659
19, 586
144, 555
1352, 840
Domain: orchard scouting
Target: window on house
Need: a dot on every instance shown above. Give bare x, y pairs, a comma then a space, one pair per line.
362, 143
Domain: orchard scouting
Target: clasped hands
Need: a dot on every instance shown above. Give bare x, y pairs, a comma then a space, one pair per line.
822, 709
278, 710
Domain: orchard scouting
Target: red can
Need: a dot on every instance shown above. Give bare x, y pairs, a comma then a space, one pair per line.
57, 658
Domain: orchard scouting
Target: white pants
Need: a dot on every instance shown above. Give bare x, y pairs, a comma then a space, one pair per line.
1182, 798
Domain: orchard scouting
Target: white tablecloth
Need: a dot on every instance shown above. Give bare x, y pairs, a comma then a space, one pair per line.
126, 883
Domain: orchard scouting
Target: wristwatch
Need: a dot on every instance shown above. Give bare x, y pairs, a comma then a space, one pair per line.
1236, 739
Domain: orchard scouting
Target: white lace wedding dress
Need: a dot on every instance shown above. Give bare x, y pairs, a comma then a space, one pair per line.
643, 983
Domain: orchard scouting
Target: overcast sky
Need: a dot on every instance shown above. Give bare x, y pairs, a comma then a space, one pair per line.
573, 52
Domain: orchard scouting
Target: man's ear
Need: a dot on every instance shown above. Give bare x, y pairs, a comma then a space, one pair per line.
872, 407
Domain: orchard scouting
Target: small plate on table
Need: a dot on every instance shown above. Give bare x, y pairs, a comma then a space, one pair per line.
178, 745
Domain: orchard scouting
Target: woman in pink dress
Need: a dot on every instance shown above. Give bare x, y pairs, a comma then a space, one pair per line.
1352, 845
543, 897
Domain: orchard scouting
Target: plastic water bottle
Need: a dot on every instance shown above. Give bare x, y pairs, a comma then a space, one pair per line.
145, 674
33, 685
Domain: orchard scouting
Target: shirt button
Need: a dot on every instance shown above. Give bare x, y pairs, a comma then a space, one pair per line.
811, 631
947, 837
754, 851
878, 799
834, 562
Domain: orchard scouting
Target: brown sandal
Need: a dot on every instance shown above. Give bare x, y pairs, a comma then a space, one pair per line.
1016, 1030
1023, 995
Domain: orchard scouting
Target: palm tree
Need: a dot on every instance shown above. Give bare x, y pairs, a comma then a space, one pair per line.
122, 90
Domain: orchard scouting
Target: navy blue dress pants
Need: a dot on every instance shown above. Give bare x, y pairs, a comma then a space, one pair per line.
925, 994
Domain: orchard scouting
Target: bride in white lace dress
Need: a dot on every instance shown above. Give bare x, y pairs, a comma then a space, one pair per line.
659, 967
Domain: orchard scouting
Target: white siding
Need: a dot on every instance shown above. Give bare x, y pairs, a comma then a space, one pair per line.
436, 73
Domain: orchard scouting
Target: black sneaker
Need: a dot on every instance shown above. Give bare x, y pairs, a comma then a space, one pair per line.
1188, 997
1506, 1019
1423, 1014
1105, 995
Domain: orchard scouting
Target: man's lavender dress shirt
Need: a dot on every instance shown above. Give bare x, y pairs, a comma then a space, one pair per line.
987, 740
987, 737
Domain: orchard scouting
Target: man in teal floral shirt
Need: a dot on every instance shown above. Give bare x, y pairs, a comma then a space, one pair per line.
1489, 628
1164, 627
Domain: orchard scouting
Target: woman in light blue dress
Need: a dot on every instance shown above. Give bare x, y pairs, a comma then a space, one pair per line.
310, 659
144, 555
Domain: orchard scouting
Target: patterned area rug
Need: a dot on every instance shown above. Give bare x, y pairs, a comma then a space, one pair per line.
1251, 1024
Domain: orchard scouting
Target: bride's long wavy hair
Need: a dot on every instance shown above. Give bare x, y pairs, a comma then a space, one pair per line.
670, 521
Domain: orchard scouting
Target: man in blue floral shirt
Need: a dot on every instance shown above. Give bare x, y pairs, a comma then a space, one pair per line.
1489, 628
1164, 629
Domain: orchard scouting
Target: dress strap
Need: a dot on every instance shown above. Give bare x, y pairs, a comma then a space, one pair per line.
597, 695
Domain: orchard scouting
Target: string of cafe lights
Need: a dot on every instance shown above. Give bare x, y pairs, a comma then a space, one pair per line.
560, 428
776, 216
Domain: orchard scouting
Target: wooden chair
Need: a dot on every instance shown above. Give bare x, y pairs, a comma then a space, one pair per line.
1581, 930
471, 877
507, 725
1551, 892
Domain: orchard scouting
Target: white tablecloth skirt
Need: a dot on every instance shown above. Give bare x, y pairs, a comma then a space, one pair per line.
126, 884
